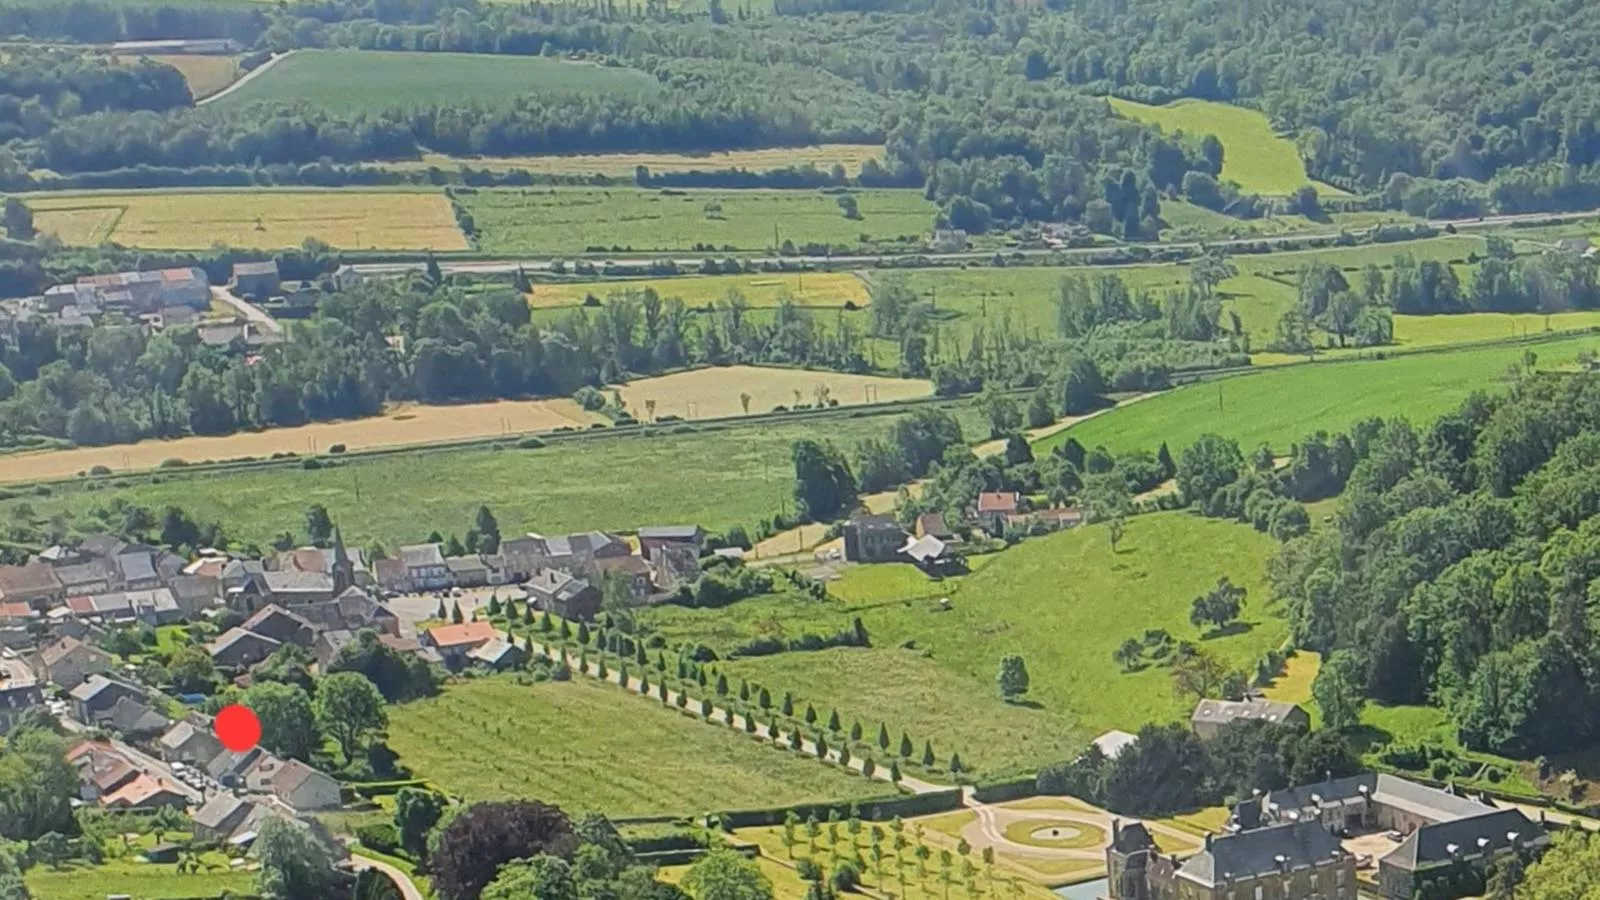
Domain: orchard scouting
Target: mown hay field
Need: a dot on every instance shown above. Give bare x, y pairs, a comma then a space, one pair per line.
402, 425
376, 80
601, 748
717, 392
760, 289
194, 220
624, 165
1255, 156
205, 74
573, 220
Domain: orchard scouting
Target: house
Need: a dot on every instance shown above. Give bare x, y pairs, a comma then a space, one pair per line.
144, 792
67, 662
154, 607
281, 626
19, 692
498, 655
932, 524
1058, 518
112, 607
1211, 716
632, 571
672, 565
1440, 828
467, 571
948, 240
239, 649
92, 701
328, 645
555, 592
190, 743
136, 293
425, 569
931, 555
454, 642
651, 538
869, 538
230, 767
135, 721
101, 769
93, 576
994, 508
224, 334
294, 588
195, 594
1291, 861
353, 610
136, 570
17, 612
299, 295
1112, 743
347, 277
572, 553
220, 817
35, 583
257, 280
298, 785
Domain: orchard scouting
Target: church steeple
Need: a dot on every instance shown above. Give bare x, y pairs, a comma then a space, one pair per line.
343, 570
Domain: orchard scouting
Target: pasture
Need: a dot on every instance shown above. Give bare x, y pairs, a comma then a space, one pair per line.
717, 477
370, 80
625, 165
931, 670
602, 748
557, 221
719, 392
1257, 158
1280, 406
130, 877
401, 425
198, 219
825, 290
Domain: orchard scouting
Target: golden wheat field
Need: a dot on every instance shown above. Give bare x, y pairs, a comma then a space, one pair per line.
761, 289
400, 426
709, 393
823, 156
189, 220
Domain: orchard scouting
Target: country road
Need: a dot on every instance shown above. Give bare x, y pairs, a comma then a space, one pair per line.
248, 77
408, 888
538, 264
247, 310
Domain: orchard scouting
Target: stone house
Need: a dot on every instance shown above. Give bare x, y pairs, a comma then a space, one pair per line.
68, 662
258, 280
1292, 861
873, 539
1211, 716
560, 594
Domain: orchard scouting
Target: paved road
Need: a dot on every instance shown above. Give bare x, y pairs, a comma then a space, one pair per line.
408, 888
536, 264
248, 77
247, 310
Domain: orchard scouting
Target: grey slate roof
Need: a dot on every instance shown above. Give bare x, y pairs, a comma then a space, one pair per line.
875, 523
421, 556
671, 532
1223, 712
1248, 854
137, 566
1429, 803
1488, 832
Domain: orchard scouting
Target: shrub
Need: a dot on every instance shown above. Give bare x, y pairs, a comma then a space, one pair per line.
99, 470
589, 398
336, 449
172, 463
530, 443
379, 836
1440, 770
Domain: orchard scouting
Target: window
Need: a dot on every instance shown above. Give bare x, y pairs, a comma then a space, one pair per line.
1340, 878
1313, 881
1258, 892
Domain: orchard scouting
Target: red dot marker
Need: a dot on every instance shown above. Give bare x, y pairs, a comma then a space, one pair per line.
238, 728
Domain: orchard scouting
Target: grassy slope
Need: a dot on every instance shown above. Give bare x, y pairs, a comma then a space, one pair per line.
568, 220
1284, 405
1064, 602
370, 80
143, 880
584, 745
717, 478
1253, 155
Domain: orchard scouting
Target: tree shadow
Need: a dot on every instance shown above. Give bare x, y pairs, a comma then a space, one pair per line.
1366, 738
1228, 630
1025, 703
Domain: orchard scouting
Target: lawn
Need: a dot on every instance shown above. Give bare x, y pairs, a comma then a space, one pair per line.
586, 745
366, 80
1259, 159
1064, 602
266, 219
147, 881
828, 290
1331, 396
625, 165
1294, 685
732, 475
573, 220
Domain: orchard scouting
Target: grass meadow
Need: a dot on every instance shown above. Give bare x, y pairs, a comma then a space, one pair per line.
129, 877
1278, 407
195, 220
717, 478
597, 746
823, 290
1064, 602
571, 220
369, 80
1259, 159
624, 165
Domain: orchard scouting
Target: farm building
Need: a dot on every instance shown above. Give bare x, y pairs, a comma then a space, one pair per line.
177, 46
1211, 716
19, 692
556, 592
873, 539
652, 538
995, 508
255, 279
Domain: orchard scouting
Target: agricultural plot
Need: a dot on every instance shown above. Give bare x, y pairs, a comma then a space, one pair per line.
1256, 408
718, 392
403, 425
625, 165
193, 220
205, 75
573, 220
600, 748
376, 80
1186, 221
1255, 156
129, 877
825, 290
610, 482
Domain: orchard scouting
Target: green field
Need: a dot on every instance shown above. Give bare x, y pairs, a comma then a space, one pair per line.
147, 881
571, 220
733, 475
1281, 406
375, 80
586, 745
1064, 602
1260, 160
1185, 221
